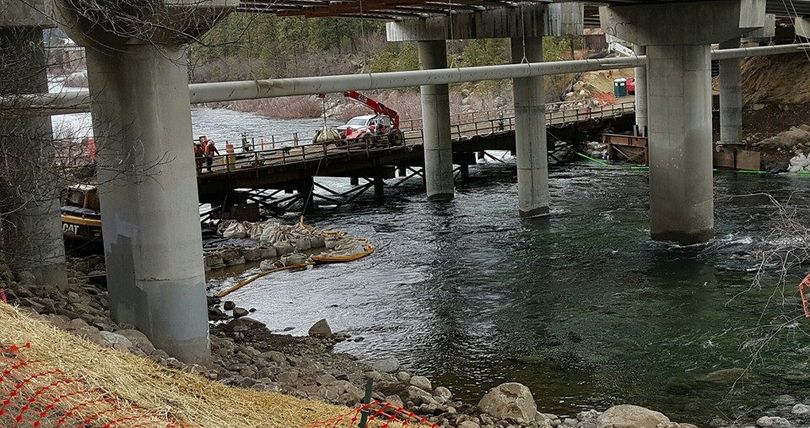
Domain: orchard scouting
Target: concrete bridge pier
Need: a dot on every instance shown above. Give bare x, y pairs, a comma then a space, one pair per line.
138, 78
678, 38
731, 103
530, 132
641, 93
436, 124
32, 229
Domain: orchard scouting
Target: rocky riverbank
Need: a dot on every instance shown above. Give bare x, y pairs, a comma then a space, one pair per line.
246, 354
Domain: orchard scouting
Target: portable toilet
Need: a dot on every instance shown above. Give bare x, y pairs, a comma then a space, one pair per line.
620, 87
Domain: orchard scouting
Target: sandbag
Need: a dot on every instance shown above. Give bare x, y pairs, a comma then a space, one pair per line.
235, 231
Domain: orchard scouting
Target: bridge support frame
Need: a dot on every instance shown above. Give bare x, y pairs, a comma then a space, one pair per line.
530, 132
32, 233
731, 102
436, 124
678, 38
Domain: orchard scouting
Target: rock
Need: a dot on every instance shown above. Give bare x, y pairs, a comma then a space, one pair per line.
385, 365
138, 339
230, 255
629, 416
468, 424
784, 400
26, 278
327, 379
724, 375
404, 377
317, 242
421, 382
544, 421
418, 396
289, 377
267, 252
773, 422
116, 341
509, 400
320, 330
240, 312
443, 393
228, 305
275, 356
801, 410
293, 259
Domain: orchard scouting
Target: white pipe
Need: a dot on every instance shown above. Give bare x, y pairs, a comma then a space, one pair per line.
78, 101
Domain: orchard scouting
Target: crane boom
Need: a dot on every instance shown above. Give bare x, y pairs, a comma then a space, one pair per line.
374, 105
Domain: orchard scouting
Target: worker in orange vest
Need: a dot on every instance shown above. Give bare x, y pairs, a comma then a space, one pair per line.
209, 149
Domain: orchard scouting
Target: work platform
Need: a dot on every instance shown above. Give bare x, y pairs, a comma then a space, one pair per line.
288, 166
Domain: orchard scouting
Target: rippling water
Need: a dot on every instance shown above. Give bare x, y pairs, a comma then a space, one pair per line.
582, 307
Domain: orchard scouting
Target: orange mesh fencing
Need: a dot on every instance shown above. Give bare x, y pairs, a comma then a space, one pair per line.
379, 414
37, 395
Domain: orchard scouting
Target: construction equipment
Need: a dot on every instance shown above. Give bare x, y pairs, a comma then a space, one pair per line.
81, 213
383, 126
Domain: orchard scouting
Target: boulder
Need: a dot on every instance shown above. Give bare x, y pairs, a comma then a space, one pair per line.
801, 410
231, 255
629, 416
320, 330
138, 339
116, 341
419, 396
509, 400
421, 382
404, 377
267, 252
468, 424
773, 422
240, 312
228, 305
442, 393
385, 365
303, 244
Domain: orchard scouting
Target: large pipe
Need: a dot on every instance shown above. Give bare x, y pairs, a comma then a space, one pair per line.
78, 101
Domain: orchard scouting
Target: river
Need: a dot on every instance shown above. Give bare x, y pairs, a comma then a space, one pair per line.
580, 306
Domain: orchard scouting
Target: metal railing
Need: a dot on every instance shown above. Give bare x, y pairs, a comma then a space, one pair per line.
276, 152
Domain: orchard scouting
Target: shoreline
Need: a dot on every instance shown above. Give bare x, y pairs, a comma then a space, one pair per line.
247, 354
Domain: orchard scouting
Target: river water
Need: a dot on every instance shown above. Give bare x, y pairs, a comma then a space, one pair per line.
580, 306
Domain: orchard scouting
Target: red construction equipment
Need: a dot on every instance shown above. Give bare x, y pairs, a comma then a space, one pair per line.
385, 123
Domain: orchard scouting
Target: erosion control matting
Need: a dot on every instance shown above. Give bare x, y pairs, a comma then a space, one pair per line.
50, 377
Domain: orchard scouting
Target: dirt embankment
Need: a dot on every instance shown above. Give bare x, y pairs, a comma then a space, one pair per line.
779, 79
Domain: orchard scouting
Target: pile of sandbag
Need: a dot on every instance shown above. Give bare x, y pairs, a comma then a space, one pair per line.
597, 150
799, 163
299, 236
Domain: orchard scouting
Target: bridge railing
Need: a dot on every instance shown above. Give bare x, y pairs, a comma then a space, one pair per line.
295, 150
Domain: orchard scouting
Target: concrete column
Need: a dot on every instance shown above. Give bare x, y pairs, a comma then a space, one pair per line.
530, 133
436, 124
641, 92
379, 187
30, 182
731, 103
148, 190
680, 149
678, 37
